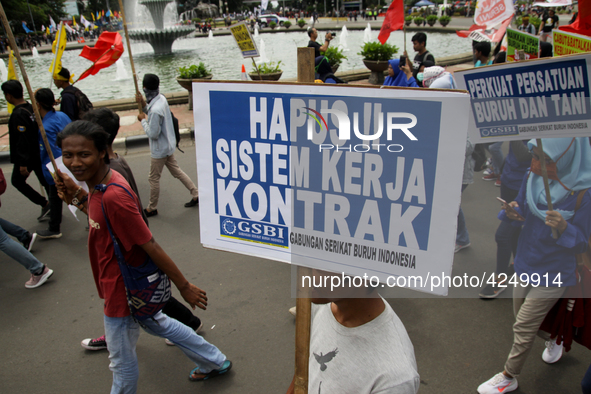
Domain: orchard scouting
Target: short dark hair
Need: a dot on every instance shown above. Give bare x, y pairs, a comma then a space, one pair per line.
420, 37
89, 130
483, 47
151, 81
545, 49
14, 88
107, 119
45, 99
500, 58
64, 72
310, 31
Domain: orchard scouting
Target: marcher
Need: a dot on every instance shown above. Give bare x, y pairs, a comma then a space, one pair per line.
23, 137
84, 147
338, 363
527, 27
53, 122
548, 24
419, 44
568, 163
109, 122
482, 54
157, 123
399, 75
70, 96
313, 34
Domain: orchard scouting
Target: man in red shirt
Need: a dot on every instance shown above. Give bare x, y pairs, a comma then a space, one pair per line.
84, 152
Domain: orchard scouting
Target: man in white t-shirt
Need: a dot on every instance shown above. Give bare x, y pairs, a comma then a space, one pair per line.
359, 345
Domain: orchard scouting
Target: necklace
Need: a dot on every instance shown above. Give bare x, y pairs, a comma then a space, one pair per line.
99, 182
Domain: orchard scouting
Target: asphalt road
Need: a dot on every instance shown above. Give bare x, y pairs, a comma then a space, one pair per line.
459, 342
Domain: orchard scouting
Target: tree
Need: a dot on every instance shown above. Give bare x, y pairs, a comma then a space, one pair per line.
18, 11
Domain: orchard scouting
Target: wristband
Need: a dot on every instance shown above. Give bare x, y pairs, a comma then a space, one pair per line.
80, 202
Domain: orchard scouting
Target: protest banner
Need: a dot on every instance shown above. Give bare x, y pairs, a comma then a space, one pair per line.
539, 98
344, 179
566, 43
244, 40
518, 40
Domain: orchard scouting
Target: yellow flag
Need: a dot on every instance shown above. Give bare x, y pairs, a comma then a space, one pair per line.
58, 49
47, 31
11, 75
74, 21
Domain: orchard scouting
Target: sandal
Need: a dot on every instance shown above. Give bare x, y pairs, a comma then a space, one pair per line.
216, 372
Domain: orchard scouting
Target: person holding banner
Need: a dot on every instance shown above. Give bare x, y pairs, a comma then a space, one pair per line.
545, 266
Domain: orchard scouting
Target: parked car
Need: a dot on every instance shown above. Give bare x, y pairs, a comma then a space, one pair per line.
264, 20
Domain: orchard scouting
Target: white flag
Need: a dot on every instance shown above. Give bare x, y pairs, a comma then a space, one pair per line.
84, 21
264, 4
52, 23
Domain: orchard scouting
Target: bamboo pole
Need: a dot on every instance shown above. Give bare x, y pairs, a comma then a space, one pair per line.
256, 68
137, 90
546, 183
303, 305
28, 85
58, 38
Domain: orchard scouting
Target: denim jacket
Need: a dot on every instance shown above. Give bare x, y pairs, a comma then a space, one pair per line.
158, 126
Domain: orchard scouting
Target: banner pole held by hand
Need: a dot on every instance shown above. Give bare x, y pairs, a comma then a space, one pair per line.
546, 183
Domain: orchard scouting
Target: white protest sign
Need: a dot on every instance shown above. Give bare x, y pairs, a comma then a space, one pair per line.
540, 98
344, 179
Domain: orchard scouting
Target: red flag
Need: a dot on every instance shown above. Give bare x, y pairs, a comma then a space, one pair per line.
394, 20
582, 25
107, 49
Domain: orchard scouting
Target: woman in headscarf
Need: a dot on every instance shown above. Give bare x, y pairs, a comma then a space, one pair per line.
545, 266
436, 77
399, 76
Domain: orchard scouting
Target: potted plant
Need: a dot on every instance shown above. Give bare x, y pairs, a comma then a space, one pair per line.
431, 19
272, 25
268, 72
335, 57
375, 57
419, 20
195, 72
444, 20
287, 24
301, 23
407, 20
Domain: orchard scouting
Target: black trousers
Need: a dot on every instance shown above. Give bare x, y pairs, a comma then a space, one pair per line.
55, 204
176, 310
20, 183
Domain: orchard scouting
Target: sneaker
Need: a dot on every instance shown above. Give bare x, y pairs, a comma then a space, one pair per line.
488, 171
99, 343
48, 234
38, 280
553, 352
490, 177
498, 384
170, 343
28, 244
192, 203
489, 162
492, 291
44, 213
498, 182
292, 310
460, 247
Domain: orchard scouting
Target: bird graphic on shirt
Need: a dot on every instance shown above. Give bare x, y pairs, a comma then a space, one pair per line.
324, 358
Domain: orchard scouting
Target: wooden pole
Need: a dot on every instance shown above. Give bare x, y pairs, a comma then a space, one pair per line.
303, 305
58, 38
256, 68
546, 183
28, 85
137, 89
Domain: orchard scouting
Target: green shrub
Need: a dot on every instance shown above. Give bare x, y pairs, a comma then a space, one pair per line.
272, 24
301, 23
419, 20
196, 20
335, 56
268, 68
287, 24
444, 20
431, 20
376, 51
194, 71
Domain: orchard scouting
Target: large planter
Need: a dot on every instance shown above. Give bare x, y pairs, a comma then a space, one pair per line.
377, 68
188, 84
265, 77
334, 68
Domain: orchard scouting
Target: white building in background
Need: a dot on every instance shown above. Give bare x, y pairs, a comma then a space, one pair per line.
71, 8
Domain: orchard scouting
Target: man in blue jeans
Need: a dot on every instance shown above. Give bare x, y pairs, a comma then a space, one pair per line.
84, 153
22, 253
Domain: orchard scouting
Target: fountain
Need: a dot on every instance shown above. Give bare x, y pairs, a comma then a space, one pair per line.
121, 71
367, 34
35, 53
343, 39
263, 53
256, 31
161, 37
210, 35
3, 71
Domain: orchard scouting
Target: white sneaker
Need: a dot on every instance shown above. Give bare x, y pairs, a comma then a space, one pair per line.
498, 384
488, 171
553, 352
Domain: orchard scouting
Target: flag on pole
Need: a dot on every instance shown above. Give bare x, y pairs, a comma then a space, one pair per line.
92, 14
108, 13
84, 21
58, 48
42, 27
74, 21
394, 20
27, 30
47, 31
103, 13
52, 24
11, 75
98, 15
107, 50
